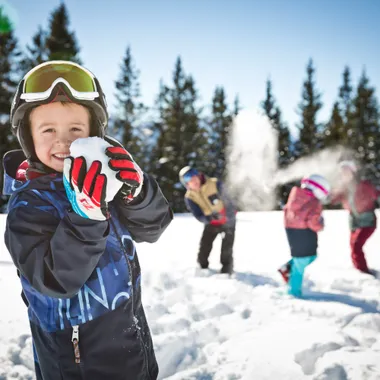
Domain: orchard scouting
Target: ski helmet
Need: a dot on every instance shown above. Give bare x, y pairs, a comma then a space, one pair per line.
56, 81
186, 174
318, 185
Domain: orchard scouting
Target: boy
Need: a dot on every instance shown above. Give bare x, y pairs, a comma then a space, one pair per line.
206, 200
303, 220
79, 271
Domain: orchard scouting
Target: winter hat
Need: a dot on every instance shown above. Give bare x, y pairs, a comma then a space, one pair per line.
318, 185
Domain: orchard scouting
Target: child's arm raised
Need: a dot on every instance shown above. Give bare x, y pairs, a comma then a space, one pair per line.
143, 208
335, 197
55, 256
147, 216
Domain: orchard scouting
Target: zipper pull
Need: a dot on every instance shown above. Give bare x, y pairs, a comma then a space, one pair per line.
75, 335
75, 340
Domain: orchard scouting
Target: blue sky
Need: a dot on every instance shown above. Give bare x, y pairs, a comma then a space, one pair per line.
237, 43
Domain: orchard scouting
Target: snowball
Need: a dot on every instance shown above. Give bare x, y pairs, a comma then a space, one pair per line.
93, 149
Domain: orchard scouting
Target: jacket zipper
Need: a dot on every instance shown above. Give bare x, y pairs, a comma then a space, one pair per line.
75, 340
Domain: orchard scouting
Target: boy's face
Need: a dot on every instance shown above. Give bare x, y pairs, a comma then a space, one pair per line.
54, 127
194, 183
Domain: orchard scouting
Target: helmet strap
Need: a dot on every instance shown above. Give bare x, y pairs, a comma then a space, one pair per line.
25, 138
37, 168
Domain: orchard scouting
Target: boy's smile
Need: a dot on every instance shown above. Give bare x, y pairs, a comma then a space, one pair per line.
54, 127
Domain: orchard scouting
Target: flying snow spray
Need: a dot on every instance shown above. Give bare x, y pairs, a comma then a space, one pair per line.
252, 162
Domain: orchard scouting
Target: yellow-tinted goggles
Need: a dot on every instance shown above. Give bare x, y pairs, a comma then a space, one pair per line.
40, 81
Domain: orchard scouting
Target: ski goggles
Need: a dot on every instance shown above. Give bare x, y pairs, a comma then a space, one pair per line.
190, 174
39, 83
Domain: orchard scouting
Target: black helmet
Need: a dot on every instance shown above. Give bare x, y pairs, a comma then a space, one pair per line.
54, 81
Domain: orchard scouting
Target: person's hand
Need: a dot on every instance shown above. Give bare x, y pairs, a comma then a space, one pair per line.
128, 172
86, 190
216, 216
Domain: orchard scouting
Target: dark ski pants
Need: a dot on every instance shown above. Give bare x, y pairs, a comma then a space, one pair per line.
210, 232
357, 241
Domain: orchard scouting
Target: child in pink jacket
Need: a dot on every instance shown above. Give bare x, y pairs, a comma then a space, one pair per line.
360, 198
303, 220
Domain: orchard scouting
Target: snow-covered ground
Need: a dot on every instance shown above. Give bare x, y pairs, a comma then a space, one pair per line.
207, 326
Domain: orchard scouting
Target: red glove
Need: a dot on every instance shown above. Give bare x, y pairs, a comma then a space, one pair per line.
86, 190
128, 172
219, 219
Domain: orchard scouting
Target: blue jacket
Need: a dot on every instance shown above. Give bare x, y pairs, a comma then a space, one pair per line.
83, 275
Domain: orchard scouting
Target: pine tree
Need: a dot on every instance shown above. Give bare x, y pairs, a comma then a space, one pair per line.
338, 129
310, 138
37, 52
60, 42
6, 25
9, 77
284, 143
334, 132
237, 106
268, 104
345, 107
365, 132
345, 96
219, 125
275, 116
128, 123
181, 141
156, 141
